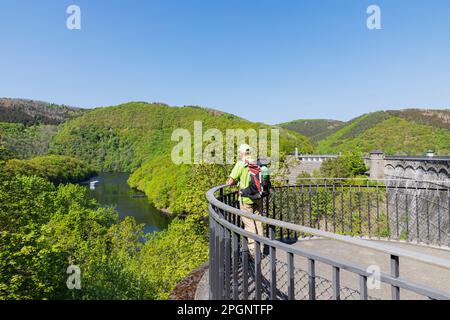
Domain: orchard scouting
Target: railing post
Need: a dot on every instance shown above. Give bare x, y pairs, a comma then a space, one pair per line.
281, 212
336, 284
295, 210
397, 222
212, 261
317, 208
273, 267
291, 283
378, 213
217, 261
227, 243
448, 208
417, 218
303, 205
326, 205
221, 195
360, 211
333, 196
395, 272
363, 295
387, 213
258, 287
230, 203
288, 211
310, 206
368, 210
439, 219
245, 268
221, 263
266, 213
312, 279
274, 204
428, 221
407, 216
235, 266
342, 210
350, 204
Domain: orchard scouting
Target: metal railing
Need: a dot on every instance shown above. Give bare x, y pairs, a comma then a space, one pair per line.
325, 209
398, 209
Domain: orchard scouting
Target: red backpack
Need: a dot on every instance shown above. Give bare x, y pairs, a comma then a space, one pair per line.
254, 189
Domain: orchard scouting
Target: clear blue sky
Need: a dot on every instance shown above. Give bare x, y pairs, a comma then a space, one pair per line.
264, 60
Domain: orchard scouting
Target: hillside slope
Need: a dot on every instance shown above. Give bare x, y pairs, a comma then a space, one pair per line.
25, 142
32, 112
56, 169
136, 137
28, 126
402, 132
315, 129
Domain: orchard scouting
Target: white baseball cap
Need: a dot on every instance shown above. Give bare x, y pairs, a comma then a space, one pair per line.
244, 148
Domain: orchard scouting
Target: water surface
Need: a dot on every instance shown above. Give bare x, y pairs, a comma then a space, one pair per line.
112, 190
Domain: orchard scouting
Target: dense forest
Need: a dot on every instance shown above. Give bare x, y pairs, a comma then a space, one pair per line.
396, 132
28, 126
32, 112
314, 129
136, 137
56, 169
24, 141
44, 228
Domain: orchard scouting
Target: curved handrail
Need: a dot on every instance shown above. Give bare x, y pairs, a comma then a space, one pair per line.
444, 184
391, 250
344, 265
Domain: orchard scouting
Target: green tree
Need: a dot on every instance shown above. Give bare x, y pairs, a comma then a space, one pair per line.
349, 165
170, 255
57, 169
5, 154
44, 228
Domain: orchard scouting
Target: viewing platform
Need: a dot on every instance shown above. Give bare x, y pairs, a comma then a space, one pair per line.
330, 239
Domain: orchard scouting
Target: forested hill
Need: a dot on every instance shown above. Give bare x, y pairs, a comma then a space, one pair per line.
396, 132
136, 137
32, 112
315, 129
27, 126
122, 138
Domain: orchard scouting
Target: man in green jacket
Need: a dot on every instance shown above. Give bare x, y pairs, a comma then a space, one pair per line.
240, 175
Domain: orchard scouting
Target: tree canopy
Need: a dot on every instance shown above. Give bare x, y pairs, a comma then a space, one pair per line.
46, 228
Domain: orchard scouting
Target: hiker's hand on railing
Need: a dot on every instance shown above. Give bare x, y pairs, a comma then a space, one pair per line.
230, 182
